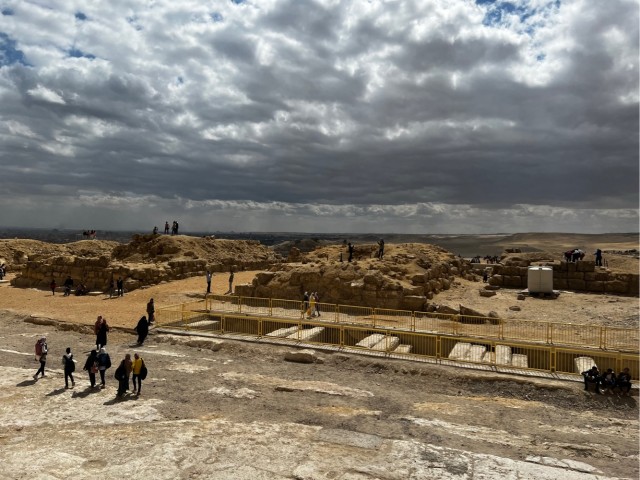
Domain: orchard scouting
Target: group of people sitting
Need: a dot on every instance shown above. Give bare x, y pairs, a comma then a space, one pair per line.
607, 381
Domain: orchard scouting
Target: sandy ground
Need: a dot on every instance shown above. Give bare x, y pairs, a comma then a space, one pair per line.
238, 410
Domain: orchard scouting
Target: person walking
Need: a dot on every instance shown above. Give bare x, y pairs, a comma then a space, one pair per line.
312, 305
123, 373
120, 287
69, 367
317, 299
151, 310
208, 277
91, 366
104, 363
101, 337
142, 329
53, 286
41, 355
139, 370
230, 291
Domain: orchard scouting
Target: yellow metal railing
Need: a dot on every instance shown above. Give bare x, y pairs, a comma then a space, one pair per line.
488, 353
513, 330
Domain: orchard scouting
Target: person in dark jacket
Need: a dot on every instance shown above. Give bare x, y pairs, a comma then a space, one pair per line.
91, 366
41, 355
69, 368
143, 329
123, 373
101, 337
151, 310
104, 363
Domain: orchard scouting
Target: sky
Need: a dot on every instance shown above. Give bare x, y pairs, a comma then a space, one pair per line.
425, 116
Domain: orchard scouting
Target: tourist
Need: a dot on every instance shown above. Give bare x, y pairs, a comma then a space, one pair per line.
351, 249
68, 285
41, 355
230, 291
155, 230
91, 366
139, 371
624, 382
305, 303
142, 329
317, 302
166, 228
101, 337
592, 376
53, 286
380, 249
608, 380
208, 277
112, 288
312, 305
151, 310
485, 276
69, 367
598, 255
123, 373
104, 363
120, 287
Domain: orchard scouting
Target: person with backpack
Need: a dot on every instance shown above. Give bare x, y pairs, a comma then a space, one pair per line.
104, 363
91, 366
41, 355
69, 367
139, 370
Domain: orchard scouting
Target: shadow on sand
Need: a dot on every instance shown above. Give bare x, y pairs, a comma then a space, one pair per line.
27, 383
86, 392
57, 391
125, 398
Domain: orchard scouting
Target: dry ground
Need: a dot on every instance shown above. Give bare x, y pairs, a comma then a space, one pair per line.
243, 412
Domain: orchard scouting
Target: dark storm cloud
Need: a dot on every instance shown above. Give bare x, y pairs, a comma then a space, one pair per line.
390, 114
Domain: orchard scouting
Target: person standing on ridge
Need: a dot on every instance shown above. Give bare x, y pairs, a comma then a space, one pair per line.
151, 310
166, 228
208, 277
380, 249
230, 291
351, 249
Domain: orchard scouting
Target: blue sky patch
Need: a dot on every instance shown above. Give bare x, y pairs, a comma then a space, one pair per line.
237, 2
497, 12
216, 17
80, 16
75, 53
6, 12
9, 54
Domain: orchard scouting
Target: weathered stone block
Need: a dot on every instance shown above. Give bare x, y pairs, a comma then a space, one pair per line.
595, 286
616, 286
575, 284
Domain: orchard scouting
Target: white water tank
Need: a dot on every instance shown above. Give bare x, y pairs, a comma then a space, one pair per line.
540, 280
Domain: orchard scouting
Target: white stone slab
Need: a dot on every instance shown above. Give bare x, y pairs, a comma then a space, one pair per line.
283, 332
519, 360
204, 324
387, 344
460, 351
403, 349
308, 334
370, 341
584, 363
476, 352
503, 355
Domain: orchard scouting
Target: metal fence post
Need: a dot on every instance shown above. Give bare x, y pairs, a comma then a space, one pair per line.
552, 359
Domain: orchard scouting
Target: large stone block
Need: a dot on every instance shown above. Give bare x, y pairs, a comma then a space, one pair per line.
594, 286
616, 286
576, 284
561, 283
496, 280
414, 302
575, 276
586, 266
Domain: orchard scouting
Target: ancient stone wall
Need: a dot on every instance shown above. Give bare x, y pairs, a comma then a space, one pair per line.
580, 276
97, 273
388, 286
